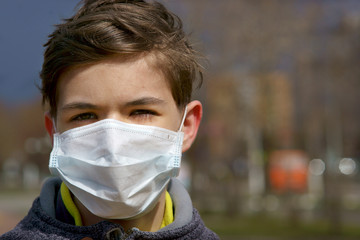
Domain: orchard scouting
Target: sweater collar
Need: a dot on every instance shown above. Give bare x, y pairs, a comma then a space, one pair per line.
183, 209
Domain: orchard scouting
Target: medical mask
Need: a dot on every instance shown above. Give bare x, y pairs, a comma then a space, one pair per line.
117, 170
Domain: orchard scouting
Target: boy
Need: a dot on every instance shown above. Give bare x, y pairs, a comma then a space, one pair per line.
118, 78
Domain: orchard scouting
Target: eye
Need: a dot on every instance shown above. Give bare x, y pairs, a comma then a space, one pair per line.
142, 114
84, 117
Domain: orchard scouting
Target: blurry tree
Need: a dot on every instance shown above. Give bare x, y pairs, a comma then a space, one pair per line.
302, 57
8, 136
23, 137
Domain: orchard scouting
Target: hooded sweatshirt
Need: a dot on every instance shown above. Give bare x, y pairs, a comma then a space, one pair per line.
40, 223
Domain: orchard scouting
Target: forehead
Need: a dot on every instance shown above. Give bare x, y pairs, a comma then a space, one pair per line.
113, 78
149, 61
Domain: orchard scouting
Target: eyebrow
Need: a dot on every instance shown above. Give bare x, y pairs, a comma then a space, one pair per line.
145, 101
136, 102
78, 105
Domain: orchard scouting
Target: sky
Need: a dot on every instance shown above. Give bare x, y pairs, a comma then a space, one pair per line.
25, 26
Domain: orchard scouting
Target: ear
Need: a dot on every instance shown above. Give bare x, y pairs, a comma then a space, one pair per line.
191, 123
49, 125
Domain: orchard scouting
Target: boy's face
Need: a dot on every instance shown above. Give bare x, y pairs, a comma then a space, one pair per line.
131, 92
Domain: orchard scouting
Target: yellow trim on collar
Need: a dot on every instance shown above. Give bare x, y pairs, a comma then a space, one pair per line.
74, 212
70, 205
169, 212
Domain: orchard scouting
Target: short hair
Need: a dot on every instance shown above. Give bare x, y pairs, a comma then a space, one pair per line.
104, 28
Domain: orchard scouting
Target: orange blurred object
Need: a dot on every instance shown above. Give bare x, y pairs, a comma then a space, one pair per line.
288, 171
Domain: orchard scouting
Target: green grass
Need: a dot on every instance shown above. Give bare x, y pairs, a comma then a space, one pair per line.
257, 226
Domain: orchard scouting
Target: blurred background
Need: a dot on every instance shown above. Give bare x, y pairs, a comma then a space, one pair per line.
278, 151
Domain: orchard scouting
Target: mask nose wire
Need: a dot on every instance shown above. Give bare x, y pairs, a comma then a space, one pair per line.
183, 119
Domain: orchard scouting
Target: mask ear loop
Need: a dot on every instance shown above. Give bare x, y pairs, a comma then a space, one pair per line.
54, 125
183, 119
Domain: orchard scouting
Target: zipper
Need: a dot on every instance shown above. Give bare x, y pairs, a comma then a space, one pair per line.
118, 234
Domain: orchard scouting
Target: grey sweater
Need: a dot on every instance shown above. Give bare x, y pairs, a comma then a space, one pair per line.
40, 223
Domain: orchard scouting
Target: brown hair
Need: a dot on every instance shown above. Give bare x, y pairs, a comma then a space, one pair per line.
103, 28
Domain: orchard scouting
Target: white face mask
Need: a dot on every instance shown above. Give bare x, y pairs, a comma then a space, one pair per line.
115, 169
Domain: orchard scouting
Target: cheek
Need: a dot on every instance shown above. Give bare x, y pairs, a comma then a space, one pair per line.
175, 123
170, 120
61, 125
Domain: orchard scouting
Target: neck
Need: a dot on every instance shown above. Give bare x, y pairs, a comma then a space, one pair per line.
150, 222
